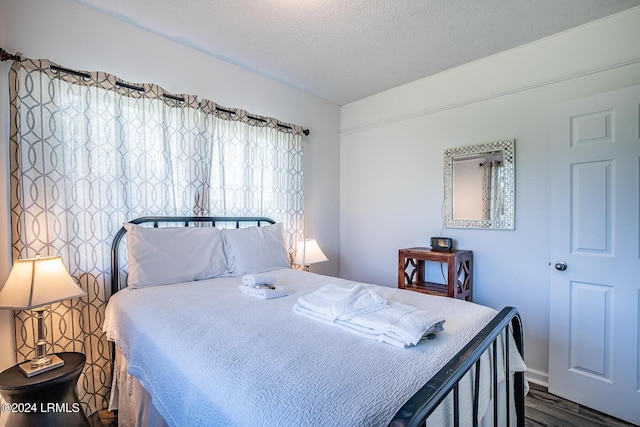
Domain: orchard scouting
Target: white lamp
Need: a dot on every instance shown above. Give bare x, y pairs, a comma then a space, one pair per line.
308, 252
32, 284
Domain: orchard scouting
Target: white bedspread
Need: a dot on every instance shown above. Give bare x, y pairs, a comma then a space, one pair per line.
206, 352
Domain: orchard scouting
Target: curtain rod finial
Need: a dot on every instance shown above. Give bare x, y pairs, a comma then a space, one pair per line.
5, 56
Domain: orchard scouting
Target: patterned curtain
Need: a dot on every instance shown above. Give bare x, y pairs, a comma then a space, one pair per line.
89, 151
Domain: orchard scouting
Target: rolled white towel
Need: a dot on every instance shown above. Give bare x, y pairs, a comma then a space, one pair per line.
264, 293
253, 280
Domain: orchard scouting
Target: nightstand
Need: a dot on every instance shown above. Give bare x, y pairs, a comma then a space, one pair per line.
47, 399
459, 272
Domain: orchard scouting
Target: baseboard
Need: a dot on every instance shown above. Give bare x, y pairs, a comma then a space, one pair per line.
537, 377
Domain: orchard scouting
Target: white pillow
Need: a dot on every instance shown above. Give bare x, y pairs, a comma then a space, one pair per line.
160, 256
255, 249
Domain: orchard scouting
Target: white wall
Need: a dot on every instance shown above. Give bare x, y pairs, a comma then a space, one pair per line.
77, 37
391, 154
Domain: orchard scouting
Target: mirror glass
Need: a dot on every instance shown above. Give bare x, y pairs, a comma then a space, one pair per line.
480, 186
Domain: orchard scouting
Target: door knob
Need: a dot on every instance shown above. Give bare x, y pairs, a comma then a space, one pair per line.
560, 265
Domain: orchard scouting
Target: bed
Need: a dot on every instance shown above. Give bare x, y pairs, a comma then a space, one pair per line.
200, 352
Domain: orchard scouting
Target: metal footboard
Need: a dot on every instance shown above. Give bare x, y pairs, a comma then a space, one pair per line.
416, 411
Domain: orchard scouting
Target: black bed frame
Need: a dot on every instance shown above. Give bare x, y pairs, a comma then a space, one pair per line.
417, 409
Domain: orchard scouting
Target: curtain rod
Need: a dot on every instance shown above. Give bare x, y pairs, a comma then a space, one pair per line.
86, 76
258, 119
57, 68
6, 56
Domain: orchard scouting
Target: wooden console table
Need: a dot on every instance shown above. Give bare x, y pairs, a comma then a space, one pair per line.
459, 272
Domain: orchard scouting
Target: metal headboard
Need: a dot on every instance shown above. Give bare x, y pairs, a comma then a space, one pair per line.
116, 284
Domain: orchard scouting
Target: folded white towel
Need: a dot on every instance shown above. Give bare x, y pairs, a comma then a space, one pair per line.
264, 293
399, 321
258, 279
363, 311
297, 308
359, 300
320, 301
332, 301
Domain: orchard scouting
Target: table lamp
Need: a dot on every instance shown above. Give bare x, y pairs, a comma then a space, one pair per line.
308, 252
33, 284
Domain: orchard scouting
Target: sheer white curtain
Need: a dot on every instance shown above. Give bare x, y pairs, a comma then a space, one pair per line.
89, 152
256, 167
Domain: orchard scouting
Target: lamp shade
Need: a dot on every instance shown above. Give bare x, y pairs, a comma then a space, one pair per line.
39, 281
308, 252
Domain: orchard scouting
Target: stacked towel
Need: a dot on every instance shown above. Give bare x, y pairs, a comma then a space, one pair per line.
335, 302
399, 324
264, 293
262, 286
363, 311
321, 300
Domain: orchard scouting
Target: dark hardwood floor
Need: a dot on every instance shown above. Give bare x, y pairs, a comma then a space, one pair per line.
545, 409
542, 410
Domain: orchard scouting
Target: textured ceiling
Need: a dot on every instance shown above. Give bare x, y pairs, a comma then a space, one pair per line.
345, 50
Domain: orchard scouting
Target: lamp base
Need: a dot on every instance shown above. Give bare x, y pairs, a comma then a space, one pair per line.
29, 368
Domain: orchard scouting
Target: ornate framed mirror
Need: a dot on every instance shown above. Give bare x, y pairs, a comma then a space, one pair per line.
479, 186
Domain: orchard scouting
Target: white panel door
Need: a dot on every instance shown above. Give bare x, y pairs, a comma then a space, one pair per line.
594, 332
